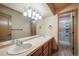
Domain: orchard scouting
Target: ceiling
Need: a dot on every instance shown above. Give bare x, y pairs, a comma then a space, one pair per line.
57, 7
41, 8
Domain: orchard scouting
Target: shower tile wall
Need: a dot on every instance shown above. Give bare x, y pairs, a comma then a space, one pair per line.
65, 30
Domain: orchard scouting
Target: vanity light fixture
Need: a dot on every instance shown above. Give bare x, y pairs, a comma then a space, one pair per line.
30, 13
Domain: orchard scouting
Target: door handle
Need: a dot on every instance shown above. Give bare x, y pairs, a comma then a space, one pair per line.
72, 32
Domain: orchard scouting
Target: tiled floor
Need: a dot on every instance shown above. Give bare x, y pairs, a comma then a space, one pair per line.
64, 51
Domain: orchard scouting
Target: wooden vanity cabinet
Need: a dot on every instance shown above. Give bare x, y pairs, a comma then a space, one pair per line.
46, 49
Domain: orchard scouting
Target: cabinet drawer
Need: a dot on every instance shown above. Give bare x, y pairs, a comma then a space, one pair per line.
38, 52
45, 46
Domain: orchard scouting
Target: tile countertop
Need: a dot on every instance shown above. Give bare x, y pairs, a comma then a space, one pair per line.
37, 42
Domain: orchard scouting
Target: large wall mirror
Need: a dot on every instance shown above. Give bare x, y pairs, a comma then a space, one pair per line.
14, 25
9, 32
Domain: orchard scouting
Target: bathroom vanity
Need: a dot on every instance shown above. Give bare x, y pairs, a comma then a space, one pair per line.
44, 50
41, 46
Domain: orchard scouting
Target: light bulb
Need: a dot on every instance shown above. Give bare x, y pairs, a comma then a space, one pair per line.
34, 13
24, 14
37, 15
29, 11
40, 17
33, 17
29, 15
36, 18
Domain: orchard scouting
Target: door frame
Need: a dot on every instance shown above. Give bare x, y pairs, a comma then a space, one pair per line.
75, 32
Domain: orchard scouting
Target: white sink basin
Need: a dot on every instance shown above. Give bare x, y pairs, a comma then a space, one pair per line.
19, 49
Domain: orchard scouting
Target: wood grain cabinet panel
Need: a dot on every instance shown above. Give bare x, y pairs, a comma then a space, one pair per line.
45, 50
45, 46
50, 47
38, 52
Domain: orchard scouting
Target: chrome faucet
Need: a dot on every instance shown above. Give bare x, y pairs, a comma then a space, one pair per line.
19, 42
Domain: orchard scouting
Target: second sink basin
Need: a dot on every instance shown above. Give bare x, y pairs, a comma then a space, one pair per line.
19, 49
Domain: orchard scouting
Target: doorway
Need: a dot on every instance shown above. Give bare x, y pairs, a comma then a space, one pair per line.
5, 27
67, 32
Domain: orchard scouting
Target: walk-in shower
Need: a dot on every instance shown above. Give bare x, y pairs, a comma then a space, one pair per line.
65, 30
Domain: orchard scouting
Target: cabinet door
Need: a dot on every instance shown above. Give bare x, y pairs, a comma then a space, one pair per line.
45, 49
38, 52
50, 47
54, 46
46, 52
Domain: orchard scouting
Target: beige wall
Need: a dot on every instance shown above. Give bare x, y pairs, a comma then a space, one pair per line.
45, 29
40, 27
51, 28
18, 22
